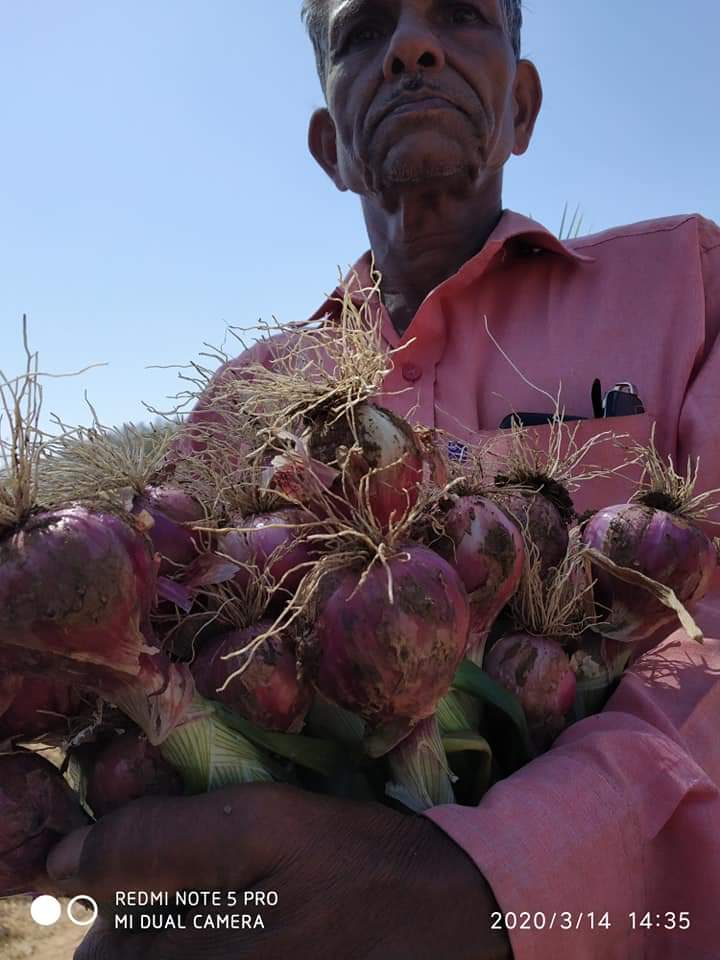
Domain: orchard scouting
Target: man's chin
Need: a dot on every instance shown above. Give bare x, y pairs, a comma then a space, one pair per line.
430, 172
426, 158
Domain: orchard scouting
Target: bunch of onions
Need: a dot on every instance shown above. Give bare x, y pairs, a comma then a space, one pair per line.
78, 584
548, 613
651, 558
266, 687
76, 591
37, 808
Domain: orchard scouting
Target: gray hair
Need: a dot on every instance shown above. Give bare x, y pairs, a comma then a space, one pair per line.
315, 13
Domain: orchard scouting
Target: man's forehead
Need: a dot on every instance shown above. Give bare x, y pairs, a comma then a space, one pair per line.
345, 8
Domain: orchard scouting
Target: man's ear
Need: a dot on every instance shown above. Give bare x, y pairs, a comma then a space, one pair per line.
322, 140
528, 96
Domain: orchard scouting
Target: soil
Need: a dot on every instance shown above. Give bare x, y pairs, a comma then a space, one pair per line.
21, 937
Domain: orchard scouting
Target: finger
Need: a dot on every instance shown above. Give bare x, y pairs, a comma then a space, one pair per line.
104, 943
221, 840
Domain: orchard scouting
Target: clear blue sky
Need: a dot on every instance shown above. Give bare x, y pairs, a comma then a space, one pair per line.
155, 184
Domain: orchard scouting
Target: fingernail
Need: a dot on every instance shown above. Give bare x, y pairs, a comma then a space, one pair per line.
64, 860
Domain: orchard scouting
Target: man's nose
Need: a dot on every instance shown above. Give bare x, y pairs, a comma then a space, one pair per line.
413, 46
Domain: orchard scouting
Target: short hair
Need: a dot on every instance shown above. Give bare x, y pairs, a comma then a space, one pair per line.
315, 18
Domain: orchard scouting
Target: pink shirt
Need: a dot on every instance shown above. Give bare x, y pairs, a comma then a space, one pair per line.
622, 815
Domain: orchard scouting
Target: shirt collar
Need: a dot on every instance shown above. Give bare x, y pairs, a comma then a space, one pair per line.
512, 229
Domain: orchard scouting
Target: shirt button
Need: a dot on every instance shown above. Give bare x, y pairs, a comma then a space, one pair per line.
411, 372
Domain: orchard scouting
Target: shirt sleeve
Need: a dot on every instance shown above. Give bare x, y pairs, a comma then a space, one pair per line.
622, 816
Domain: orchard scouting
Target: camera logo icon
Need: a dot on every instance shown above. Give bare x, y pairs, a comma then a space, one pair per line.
47, 910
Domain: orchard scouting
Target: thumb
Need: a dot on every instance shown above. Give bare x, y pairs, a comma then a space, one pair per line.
214, 841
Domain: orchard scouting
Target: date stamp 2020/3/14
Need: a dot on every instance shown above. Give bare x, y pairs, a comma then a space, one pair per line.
589, 920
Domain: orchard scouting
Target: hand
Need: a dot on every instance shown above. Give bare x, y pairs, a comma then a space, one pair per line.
355, 881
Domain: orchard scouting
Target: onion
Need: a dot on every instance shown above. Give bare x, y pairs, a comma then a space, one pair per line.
272, 542
268, 692
40, 706
37, 808
421, 775
487, 550
171, 510
663, 546
76, 590
127, 768
384, 477
541, 521
538, 672
391, 662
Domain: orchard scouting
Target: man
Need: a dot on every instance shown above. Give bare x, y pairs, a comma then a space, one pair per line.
607, 846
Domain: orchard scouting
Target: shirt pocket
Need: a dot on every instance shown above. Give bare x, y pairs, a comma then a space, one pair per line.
609, 455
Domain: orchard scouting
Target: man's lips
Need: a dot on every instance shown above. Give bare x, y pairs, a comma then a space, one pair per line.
427, 103
420, 103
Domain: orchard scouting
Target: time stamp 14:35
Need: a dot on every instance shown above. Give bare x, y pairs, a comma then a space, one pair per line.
566, 920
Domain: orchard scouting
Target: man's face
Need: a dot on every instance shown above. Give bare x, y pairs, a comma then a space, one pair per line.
421, 91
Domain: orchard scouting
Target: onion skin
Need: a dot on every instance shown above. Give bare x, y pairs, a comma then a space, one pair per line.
389, 446
171, 509
127, 768
391, 663
269, 692
76, 590
538, 519
263, 535
78, 583
37, 808
661, 545
40, 706
487, 550
538, 672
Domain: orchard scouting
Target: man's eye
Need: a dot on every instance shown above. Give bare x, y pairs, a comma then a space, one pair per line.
463, 13
360, 36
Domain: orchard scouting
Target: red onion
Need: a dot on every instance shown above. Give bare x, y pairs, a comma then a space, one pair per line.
661, 545
391, 662
487, 550
40, 706
273, 542
171, 510
127, 768
37, 808
538, 671
76, 589
268, 692
540, 520
391, 463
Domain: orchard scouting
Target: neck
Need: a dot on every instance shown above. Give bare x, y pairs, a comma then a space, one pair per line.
421, 240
